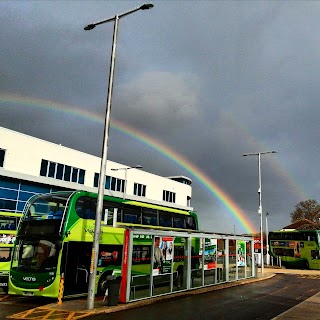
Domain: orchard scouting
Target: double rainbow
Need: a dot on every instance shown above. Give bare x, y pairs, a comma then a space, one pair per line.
7, 100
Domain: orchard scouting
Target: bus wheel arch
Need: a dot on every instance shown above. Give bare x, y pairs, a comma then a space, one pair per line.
103, 282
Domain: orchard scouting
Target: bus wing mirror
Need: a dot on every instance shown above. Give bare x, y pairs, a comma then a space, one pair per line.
58, 245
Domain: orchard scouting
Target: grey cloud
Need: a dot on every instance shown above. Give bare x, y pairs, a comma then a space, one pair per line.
212, 80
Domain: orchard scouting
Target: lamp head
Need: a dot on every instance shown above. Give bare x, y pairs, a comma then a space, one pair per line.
146, 6
89, 27
138, 167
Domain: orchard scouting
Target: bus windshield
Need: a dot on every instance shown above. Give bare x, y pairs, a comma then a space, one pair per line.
35, 255
47, 206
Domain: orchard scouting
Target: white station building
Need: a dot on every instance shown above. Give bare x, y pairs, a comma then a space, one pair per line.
29, 165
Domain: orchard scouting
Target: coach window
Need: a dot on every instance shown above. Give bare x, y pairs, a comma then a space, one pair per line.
109, 207
131, 214
191, 223
165, 219
179, 221
149, 216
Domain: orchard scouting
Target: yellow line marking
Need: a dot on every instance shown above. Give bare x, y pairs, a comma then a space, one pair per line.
5, 297
42, 313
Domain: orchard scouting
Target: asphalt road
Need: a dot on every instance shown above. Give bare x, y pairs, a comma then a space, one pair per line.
10, 305
261, 300
258, 300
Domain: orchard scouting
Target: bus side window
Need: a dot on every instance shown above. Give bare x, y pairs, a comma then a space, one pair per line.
149, 216
179, 221
81, 205
165, 219
85, 208
131, 214
119, 215
190, 223
91, 207
107, 209
315, 254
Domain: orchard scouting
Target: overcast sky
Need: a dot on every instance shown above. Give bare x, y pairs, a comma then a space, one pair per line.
210, 79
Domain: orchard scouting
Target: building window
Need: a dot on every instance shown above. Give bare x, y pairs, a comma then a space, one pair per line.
15, 193
75, 176
61, 172
2, 154
44, 168
81, 176
52, 169
169, 196
67, 173
96, 180
112, 183
188, 201
139, 190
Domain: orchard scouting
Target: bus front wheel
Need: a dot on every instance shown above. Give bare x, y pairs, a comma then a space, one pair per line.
103, 283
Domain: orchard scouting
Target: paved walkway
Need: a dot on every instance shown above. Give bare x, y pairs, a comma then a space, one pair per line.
306, 310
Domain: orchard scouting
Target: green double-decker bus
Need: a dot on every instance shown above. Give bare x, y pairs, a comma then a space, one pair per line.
8, 228
54, 241
297, 248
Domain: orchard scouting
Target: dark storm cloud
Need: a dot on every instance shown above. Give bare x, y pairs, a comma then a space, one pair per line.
212, 80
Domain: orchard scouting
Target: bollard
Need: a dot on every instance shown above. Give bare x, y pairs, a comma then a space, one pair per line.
61, 288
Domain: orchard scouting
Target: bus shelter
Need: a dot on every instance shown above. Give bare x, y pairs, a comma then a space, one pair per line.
166, 262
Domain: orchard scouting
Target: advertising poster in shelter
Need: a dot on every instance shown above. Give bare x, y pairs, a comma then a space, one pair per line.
163, 255
210, 252
241, 251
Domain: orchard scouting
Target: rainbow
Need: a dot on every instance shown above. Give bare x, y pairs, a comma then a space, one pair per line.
7, 100
279, 168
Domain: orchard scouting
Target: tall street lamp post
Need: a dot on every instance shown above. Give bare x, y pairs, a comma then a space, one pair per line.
260, 200
125, 176
102, 178
267, 239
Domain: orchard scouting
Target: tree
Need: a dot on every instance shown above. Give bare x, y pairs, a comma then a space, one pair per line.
309, 209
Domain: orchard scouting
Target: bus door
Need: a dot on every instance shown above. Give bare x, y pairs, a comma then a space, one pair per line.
76, 265
315, 259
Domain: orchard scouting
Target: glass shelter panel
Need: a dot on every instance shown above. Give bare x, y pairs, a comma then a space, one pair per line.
210, 257
232, 259
140, 282
221, 260
249, 259
241, 259
180, 263
196, 273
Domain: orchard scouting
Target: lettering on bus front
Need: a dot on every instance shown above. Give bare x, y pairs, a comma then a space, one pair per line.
29, 279
7, 239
